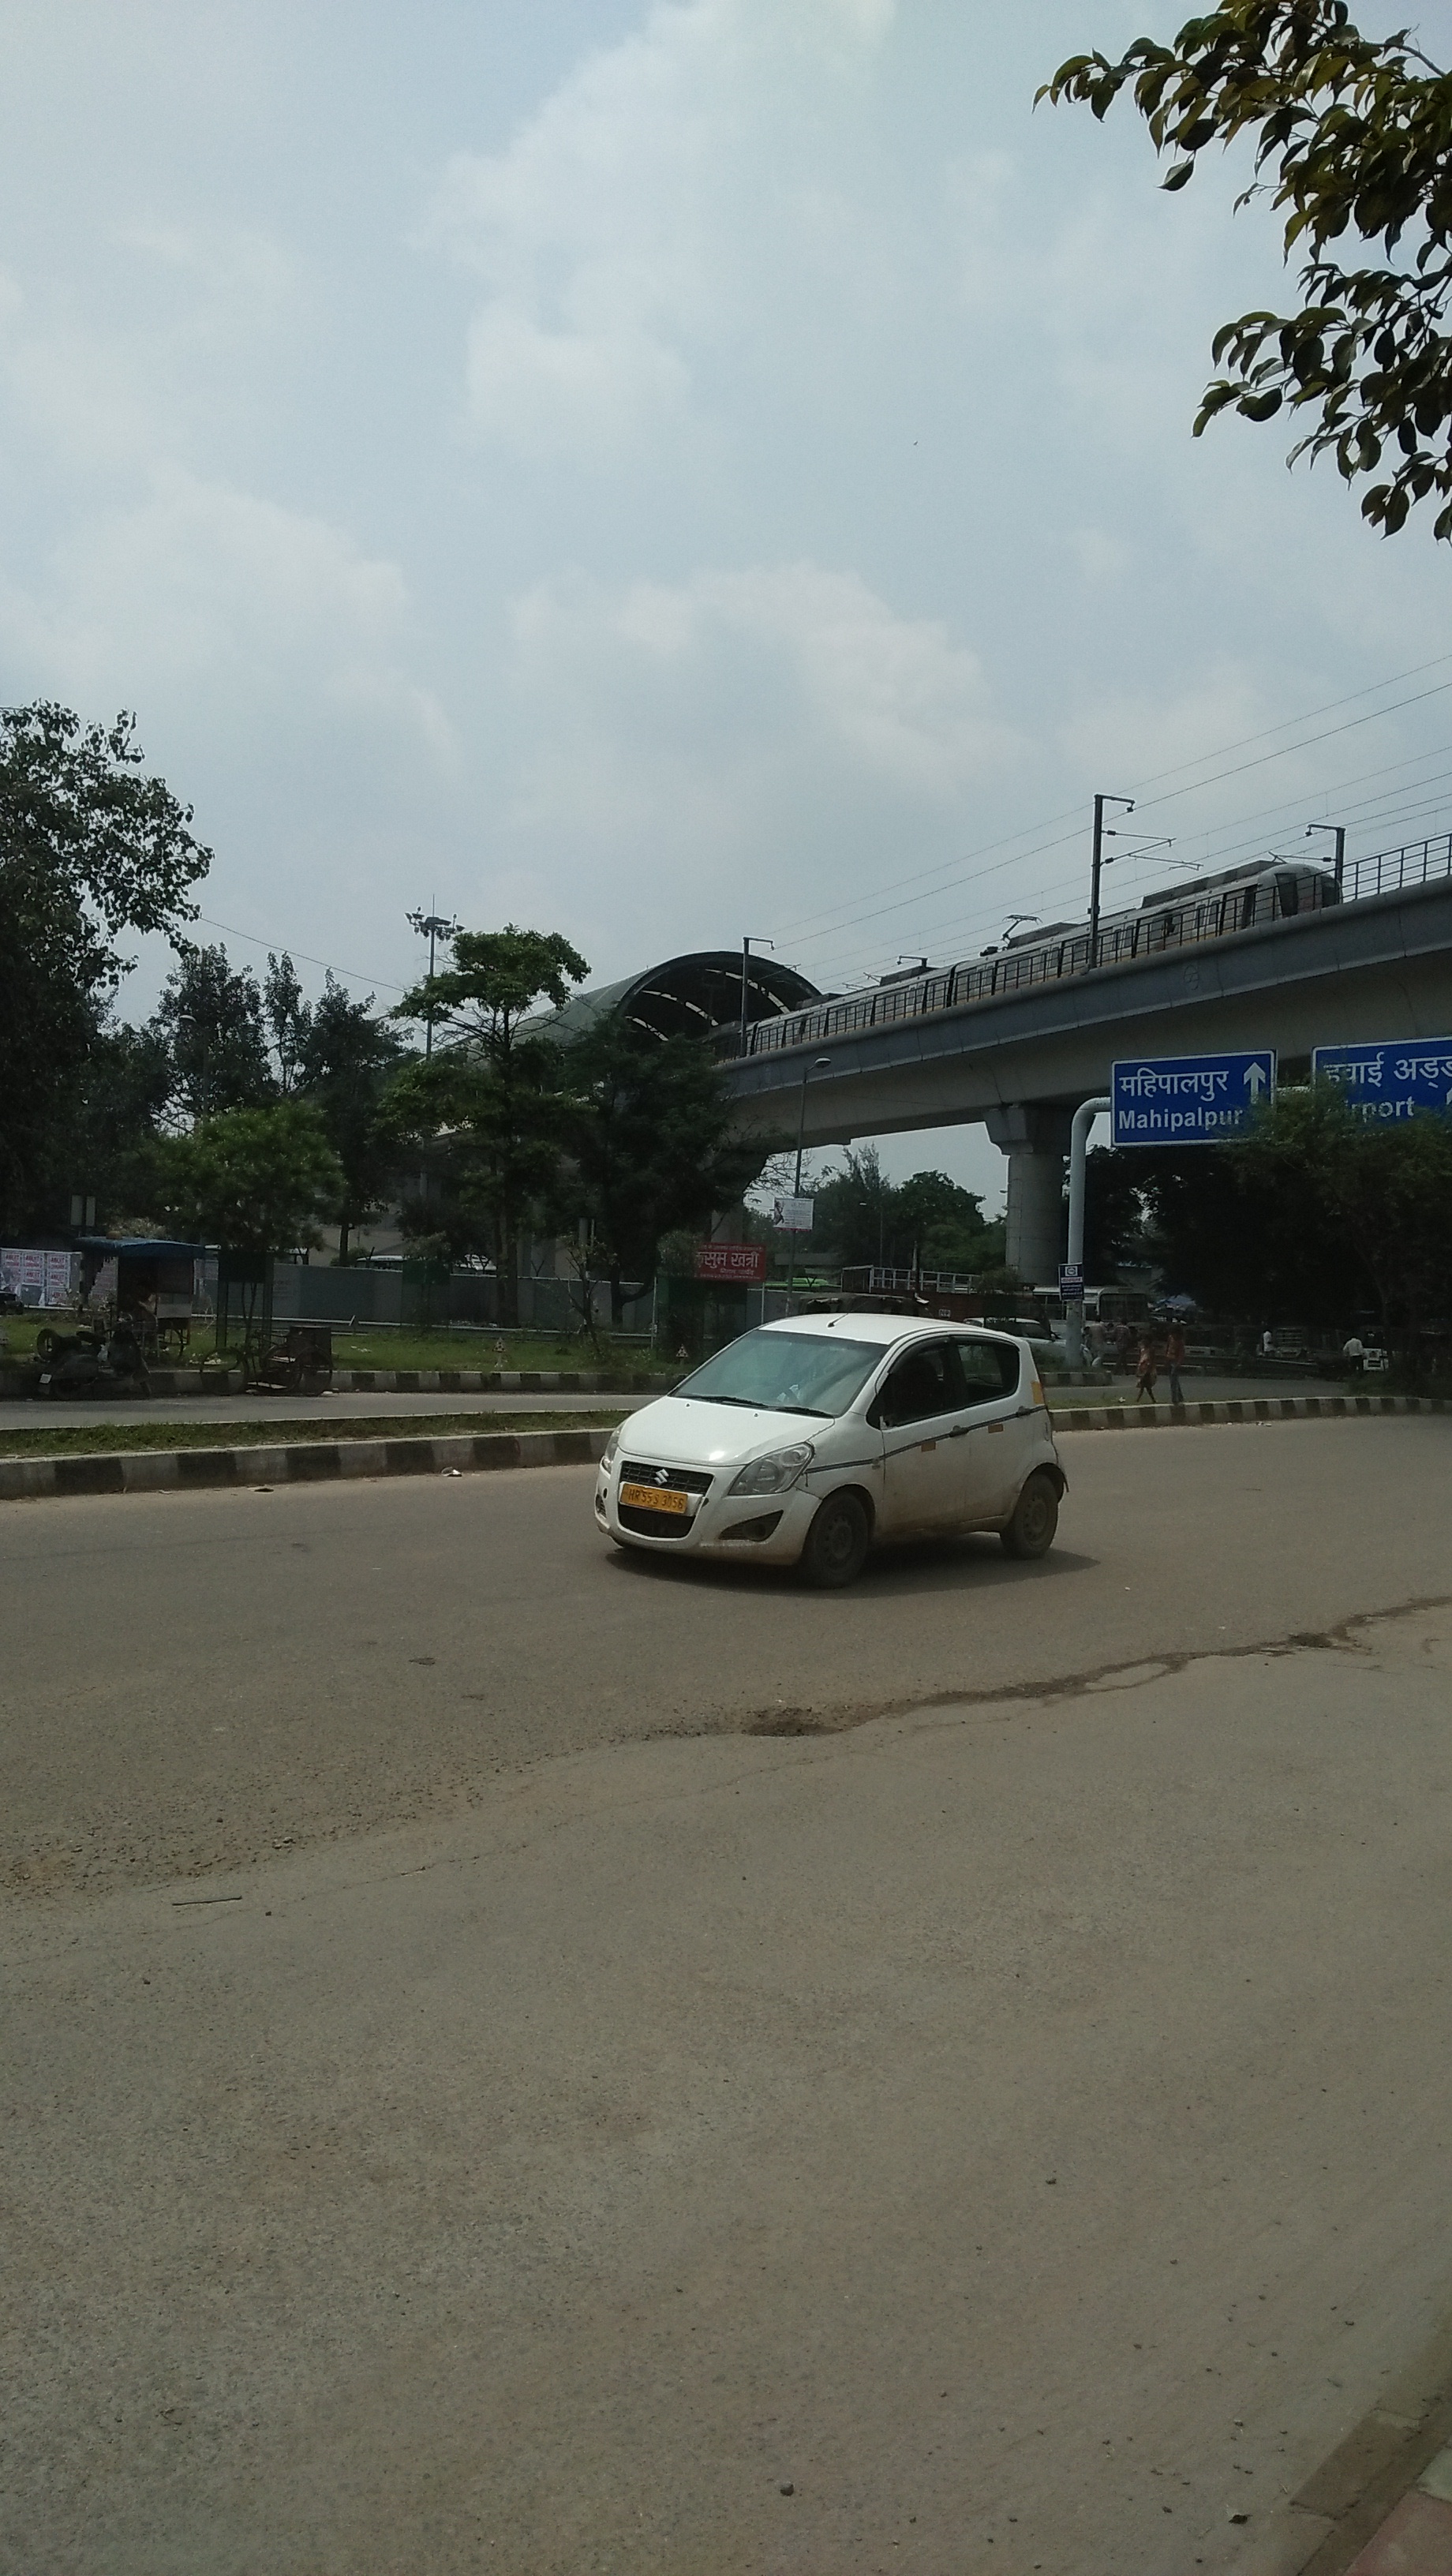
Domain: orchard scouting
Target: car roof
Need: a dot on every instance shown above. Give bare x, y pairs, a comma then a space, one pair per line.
883, 1328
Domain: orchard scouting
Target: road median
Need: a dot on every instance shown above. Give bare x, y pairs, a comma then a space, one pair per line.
151, 1471
332, 1461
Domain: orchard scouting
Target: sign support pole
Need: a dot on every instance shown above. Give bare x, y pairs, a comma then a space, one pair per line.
1084, 1117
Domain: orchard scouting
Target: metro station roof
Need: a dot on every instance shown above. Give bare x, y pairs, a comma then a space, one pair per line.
689, 996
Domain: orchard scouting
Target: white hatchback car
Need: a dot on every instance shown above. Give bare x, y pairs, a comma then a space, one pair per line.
808, 1441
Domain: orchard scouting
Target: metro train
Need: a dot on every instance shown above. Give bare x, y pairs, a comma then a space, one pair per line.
1179, 916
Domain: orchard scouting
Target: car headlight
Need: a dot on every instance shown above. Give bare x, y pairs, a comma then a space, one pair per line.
773, 1473
612, 1446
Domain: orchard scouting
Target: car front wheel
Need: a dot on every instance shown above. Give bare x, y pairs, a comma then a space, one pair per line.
837, 1543
1035, 1519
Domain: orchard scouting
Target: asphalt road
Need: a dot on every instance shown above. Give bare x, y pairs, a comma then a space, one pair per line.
1015, 2118
196, 1680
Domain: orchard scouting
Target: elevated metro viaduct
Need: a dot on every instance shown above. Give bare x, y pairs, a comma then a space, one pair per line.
1380, 967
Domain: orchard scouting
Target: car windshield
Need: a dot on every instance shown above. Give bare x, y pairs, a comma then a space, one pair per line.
786, 1373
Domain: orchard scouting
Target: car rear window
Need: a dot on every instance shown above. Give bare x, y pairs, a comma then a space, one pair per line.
786, 1372
990, 1368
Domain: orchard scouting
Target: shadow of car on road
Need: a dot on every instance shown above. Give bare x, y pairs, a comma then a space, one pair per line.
900, 1571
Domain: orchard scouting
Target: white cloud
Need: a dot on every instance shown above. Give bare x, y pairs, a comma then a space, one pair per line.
725, 736
647, 213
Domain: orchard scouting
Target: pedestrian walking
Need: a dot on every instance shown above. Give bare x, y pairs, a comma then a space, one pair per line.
1175, 1361
1144, 1376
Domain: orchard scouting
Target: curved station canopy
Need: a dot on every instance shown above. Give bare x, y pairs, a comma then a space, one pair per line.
691, 996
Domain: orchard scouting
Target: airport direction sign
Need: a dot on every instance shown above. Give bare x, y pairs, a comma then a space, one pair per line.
1390, 1078
1188, 1099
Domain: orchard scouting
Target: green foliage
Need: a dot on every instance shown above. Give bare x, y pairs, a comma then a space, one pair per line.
1357, 132
483, 1111
1309, 1218
89, 847
1386, 1190
861, 1217
649, 1148
345, 1062
210, 1020
253, 1180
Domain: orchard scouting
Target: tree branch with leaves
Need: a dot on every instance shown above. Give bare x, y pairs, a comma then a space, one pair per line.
1352, 137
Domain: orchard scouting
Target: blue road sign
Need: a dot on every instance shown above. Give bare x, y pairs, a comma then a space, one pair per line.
1188, 1099
1390, 1077
1071, 1281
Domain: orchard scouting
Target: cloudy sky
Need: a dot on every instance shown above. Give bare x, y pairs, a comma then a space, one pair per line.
665, 471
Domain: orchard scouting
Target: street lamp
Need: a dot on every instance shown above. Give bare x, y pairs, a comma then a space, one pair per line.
432, 926
1340, 831
814, 1064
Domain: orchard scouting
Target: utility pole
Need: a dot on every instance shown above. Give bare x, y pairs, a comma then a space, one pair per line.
1340, 831
746, 948
1099, 804
432, 926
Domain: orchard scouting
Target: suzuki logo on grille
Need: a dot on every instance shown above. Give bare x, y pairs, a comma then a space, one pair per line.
662, 1476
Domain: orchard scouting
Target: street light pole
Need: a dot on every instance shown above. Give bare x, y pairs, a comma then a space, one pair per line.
814, 1064
1097, 870
1340, 831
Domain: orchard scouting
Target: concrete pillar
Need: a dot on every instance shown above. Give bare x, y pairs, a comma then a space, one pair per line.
1035, 1137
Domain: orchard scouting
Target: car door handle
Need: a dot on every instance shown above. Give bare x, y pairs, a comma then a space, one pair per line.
960, 1430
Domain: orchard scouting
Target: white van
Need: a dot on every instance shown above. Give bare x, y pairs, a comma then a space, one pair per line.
811, 1440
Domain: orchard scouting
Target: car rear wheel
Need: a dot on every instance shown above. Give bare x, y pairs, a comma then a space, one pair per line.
837, 1543
1035, 1519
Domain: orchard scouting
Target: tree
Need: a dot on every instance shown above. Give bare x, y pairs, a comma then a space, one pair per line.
89, 847
1357, 132
252, 1180
650, 1145
484, 1106
210, 1020
346, 1063
1250, 1243
1386, 1190
288, 1019
107, 1146
929, 1220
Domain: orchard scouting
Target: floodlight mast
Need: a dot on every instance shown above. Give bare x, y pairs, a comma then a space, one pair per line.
432, 926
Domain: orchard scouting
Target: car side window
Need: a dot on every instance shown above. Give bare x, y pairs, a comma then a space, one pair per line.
989, 1369
926, 1382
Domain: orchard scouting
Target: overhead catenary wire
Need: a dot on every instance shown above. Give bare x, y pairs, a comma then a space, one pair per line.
1071, 813
1020, 857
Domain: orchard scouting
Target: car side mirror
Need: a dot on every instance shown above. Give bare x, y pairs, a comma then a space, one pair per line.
874, 1413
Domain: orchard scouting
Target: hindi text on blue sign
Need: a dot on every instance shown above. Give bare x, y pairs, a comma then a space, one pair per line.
1390, 1078
1188, 1099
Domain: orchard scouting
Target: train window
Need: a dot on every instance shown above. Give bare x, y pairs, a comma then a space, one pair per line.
1290, 895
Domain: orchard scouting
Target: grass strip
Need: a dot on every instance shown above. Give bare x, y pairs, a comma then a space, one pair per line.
95, 1439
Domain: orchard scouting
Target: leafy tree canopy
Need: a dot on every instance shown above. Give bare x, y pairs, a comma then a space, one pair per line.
210, 1021
90, 846
861, 1217
650, 1146
1352, 137
484, 1109
254, 1180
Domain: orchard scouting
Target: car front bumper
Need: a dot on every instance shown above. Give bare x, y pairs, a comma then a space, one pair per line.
722, 1524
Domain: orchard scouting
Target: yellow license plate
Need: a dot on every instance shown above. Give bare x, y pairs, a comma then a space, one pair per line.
653, 1498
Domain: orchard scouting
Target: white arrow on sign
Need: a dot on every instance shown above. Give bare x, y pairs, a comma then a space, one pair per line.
1257, 1080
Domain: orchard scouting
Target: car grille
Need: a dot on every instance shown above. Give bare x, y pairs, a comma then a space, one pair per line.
681, 1480
686, 1480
